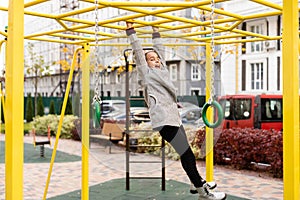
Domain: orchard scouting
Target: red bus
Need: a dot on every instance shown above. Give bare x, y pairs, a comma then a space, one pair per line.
262, 111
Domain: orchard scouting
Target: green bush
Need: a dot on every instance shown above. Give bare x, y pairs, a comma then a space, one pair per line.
76, 105
40, 106
155, 139
69, 109
40, 124
246, 148
29, 109
27, 128
52, 108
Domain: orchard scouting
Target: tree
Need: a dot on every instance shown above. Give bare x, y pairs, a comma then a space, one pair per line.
40, 106
76, 103
36, 67
69, 110
29, 109
52, 108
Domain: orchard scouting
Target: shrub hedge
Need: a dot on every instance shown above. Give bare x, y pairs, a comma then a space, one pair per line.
40, 124
251, 149
245, 148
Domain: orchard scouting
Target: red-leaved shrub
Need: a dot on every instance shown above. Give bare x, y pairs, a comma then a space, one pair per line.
245, 148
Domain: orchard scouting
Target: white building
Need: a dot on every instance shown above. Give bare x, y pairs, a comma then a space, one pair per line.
257, 66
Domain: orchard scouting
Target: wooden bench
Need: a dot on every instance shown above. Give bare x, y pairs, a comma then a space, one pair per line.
112, 131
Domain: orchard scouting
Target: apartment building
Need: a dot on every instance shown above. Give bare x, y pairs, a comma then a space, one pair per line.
186, 64
253, 67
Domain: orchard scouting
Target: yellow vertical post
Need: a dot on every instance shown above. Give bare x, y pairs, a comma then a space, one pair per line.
85, 121
290, 56
61, 118
0, 108
14, 76
209, 113
236, 68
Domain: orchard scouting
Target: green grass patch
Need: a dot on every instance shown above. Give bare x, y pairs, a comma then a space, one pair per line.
32, 155
27, 127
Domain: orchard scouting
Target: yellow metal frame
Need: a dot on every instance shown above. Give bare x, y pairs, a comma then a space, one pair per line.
228, 23
163, 11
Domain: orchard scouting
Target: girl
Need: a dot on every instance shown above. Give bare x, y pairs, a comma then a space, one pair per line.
163, 108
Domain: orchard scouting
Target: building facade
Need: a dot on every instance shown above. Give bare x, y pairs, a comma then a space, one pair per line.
186, 63
250, 67
254, 67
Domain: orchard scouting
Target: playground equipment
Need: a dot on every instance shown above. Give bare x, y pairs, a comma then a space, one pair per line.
162, 10
43, 142
210, 90
97, 98
128, 140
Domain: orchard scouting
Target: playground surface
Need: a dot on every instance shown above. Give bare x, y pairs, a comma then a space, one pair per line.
107, 176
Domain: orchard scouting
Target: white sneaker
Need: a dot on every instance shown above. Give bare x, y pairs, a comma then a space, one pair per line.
209, 185
205, 194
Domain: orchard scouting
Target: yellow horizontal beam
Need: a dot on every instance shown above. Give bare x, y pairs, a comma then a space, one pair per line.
77, 12
35, 2
192, 21
154, 4
1, 42
72, 37
43, 39
163, 13
246, 40
222, 12
269, 4
3, 33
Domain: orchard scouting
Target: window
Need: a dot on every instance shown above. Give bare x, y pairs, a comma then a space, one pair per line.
118, 78
257, 46
257, 76
107, 79
236, 109
173, 72
141, 93
196, 72
271, 109
118, 93
195, 91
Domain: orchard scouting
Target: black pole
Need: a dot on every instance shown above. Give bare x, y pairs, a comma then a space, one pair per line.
127, 118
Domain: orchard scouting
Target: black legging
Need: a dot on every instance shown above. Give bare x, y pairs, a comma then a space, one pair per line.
176, 136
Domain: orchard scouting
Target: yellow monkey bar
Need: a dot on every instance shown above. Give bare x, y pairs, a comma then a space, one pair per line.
226, 22
189, 31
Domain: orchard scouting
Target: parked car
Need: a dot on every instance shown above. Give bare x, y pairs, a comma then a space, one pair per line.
137, 115
115, 110
189, 113
110, 108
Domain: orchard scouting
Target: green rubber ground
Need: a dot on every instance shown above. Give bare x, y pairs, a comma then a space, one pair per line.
139, 190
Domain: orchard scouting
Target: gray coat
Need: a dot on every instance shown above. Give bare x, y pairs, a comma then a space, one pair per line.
159, 90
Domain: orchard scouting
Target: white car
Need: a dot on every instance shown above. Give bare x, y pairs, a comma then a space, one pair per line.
189, 113
115, 110
111, 108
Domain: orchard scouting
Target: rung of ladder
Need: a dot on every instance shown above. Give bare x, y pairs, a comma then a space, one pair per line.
137, 161
141, 130
145, 177
145, 146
